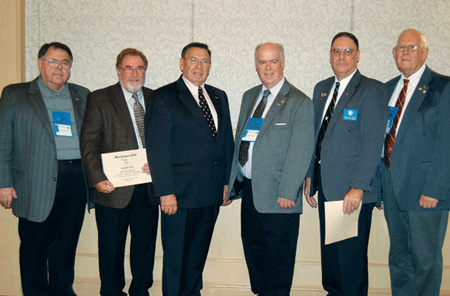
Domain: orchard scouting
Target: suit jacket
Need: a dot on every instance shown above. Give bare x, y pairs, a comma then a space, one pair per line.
351, 149
27, 147
184, 157
107, 127
420, 159
282, 151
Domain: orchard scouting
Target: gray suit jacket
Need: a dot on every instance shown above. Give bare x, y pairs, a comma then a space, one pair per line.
27, 147
351, 149
420, 160
107, 128
282, 151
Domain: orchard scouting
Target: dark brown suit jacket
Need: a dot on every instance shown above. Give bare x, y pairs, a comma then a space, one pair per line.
107, 128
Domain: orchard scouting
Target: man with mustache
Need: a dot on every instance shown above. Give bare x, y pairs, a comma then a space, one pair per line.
350, 113
114, 121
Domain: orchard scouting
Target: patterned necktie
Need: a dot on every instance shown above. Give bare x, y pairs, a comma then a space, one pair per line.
390, 138
206, 111
243, 149
139, 115
326, 120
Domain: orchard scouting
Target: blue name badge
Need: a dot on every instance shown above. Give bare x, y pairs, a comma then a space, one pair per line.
252, 129
350, 114
62, 125
392, 112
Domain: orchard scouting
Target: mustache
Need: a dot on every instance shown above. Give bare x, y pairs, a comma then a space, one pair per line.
135, 79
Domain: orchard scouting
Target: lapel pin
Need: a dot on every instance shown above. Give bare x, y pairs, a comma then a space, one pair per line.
77, 99
216, 97
346, 94
323, 95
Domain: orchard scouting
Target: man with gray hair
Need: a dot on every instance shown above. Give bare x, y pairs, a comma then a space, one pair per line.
274, 143
41, 175
416, 172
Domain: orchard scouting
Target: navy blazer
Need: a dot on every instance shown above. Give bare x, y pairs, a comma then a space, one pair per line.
420, 160
351, 148
27, 147
184, 157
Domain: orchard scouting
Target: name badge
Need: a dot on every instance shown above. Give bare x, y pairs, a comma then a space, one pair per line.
392, 112
62, 125
252, 129
350, 114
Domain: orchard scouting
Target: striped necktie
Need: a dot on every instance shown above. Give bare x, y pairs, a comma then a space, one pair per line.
139, 115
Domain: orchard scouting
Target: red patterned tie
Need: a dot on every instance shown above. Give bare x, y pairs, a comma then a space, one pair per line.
390, 138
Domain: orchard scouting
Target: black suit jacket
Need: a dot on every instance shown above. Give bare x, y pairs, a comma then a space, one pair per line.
107, 128
184, 157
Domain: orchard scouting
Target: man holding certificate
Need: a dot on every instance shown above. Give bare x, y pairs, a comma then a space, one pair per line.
114, 125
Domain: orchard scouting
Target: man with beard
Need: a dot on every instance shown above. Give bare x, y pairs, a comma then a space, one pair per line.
114, 121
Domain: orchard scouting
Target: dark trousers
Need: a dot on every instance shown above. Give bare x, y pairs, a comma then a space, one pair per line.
141, 216
47, 249
270, 244
345, 263
415, 253
186, 237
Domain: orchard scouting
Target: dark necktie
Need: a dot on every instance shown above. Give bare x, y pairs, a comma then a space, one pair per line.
326, 120
139, 115
390, 138
206, 111
243, 149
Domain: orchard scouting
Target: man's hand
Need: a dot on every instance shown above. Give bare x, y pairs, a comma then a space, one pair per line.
146, 168
169, 204
286, 203
225, 194
307, 190
352, 200
427, 202
6, 196
105, 186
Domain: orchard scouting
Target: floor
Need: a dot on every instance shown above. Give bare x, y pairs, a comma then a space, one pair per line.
85, 289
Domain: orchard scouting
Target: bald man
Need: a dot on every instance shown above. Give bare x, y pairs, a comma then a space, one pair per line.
416, 170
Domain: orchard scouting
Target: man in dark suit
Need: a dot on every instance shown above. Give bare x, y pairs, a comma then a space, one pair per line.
416, 170
270, 169
41, 175
349, 112
114, 122
189, 149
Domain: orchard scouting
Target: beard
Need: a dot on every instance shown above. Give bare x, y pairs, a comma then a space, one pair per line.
134, 85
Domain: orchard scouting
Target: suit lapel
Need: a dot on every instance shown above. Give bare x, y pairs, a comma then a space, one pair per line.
119, 103
277, 104
78, 108
345, 98
414, 104
324, 94
189, 102
38, 104
252, 99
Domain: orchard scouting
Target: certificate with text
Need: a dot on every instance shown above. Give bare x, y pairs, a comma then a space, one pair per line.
124, 168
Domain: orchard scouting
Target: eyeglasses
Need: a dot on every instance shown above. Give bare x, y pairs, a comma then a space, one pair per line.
346, 51
129, 70
409, 47
55, 63
195, 61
